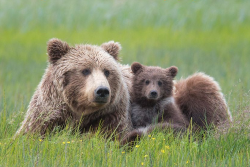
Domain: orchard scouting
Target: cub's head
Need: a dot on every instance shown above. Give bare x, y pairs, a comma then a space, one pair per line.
86, 76
151, 84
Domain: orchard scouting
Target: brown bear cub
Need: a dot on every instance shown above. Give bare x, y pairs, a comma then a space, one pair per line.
152, 96
152, 102
197, 98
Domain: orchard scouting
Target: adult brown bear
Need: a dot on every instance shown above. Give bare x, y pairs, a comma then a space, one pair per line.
83, 85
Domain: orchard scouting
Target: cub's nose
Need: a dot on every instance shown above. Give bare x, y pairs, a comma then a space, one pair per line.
101, 94
153, 94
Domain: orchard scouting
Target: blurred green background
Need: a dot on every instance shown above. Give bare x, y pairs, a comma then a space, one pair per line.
206, 35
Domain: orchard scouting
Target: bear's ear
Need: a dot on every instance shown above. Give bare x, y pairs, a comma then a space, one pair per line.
172, 70
113, 48
136, 67
56, 49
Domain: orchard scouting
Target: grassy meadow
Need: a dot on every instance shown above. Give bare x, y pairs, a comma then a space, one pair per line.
206, 35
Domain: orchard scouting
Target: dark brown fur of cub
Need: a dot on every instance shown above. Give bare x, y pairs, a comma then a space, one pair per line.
152, 96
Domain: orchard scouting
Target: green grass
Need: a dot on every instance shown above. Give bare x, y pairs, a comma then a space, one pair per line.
209, 36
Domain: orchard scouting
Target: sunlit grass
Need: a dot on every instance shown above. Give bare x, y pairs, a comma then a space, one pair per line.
160, 150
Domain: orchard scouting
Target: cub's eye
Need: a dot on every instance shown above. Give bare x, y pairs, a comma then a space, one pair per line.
106, 73
147, 82
86, 72
159, 83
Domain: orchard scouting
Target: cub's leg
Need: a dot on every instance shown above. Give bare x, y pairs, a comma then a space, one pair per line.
171, 113
137, 134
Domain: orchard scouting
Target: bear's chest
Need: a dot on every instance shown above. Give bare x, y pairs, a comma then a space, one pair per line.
144, 116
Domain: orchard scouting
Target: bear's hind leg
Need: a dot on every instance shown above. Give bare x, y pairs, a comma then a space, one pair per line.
200, 98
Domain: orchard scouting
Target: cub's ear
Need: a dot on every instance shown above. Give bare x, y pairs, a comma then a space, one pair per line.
113, 48
136, 67
172, 70
56, 49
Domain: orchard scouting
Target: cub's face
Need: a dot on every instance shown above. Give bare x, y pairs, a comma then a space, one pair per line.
152, 83
89, 75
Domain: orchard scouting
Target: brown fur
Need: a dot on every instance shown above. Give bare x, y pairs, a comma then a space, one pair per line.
145, 110
200, 100
128, 76
159, 107
67, 91
199, 97
112, 48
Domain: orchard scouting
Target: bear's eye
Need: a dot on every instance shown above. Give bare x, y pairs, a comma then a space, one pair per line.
86, 72
106, 73
159, 83
147, 82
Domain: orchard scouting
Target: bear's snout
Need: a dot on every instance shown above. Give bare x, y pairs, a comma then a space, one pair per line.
153, 94
101, 94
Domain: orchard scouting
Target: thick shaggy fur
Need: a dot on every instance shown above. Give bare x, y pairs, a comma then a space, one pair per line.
200, 99
67, 91
152, 96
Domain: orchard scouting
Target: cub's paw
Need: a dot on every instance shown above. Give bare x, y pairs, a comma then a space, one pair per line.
131, 138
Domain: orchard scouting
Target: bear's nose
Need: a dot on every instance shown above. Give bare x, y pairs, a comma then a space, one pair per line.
102, 91
153, 94
101, 94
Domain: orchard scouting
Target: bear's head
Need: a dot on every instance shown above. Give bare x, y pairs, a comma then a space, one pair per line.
151, 84
87, 77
